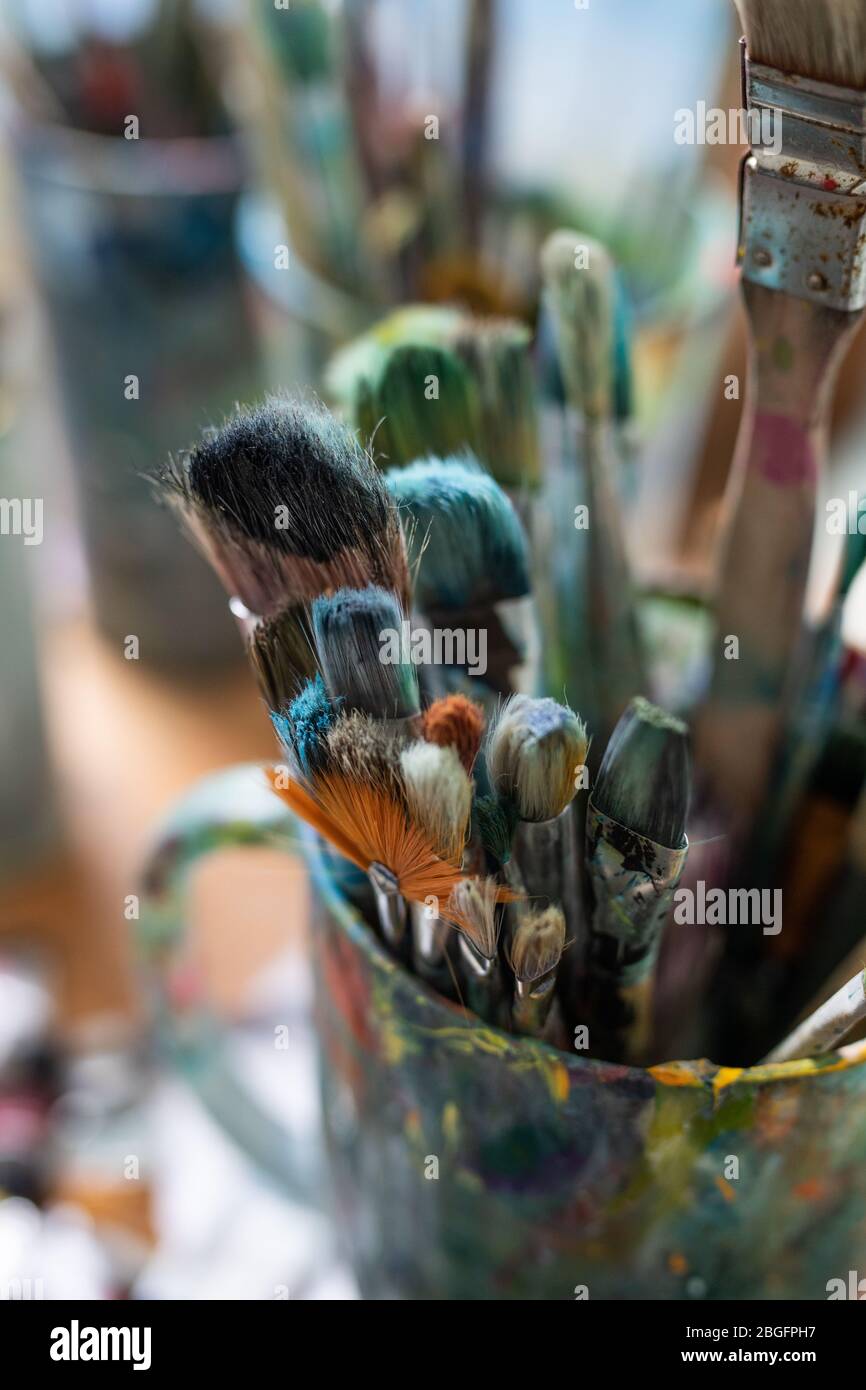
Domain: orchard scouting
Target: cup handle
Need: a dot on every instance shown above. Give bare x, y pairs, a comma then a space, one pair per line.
231, 808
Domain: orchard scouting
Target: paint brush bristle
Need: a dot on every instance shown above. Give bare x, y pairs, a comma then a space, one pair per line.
426, 382
466, 544
821, 39
366, 750
282, 655
455, 722
359, 638
287, 505
580, 295
497, 352
439, 795
303, 727
644, 781
423, 402
472, 906
537, 943
535, 749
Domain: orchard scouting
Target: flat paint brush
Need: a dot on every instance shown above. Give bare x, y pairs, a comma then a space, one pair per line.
359, 639
802, 224
598, 654
286, 506
469, 559
636, 850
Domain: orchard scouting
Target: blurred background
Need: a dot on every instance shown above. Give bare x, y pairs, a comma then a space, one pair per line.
201, 200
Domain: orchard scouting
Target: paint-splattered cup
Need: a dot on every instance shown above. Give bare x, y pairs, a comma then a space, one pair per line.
467, 1163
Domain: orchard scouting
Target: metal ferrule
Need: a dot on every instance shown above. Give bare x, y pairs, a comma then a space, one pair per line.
429, 935
532, 1002
390, 905
481, 967
632, 880
803, 205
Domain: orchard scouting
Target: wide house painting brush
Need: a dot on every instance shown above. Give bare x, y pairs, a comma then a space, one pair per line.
801, 248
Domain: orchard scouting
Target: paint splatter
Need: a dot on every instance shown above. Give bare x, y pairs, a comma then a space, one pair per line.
782, 451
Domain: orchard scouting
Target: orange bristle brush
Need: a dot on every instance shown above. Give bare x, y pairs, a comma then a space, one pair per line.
455, 722
368, 825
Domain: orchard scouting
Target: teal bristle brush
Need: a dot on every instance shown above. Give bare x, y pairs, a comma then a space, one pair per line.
426, 382
360, 642
596, 656
636, 850
469, 560
535, 753
349, 628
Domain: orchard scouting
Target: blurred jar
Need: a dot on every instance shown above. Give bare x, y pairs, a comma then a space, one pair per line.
131, 244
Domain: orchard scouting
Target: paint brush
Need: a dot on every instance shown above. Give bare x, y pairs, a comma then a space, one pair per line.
437, 382
474, 908
535, 951
309, 139
286, 505
815, 711
455, 722
536, 755
481, 27
469, 559
282, 653
636, 849
365, 663
439, 798
824, 1029
598, 655
802, 221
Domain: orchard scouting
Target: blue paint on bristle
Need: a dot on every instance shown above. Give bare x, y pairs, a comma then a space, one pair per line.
476, 549
303, 728
349, 628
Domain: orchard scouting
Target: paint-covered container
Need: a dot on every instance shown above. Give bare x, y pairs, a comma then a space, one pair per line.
468, 1163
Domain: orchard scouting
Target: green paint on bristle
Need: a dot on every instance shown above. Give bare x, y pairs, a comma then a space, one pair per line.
579, 291
466, 543
437, 381
498, 355
494, 820
644, 781
364, 359
424, 401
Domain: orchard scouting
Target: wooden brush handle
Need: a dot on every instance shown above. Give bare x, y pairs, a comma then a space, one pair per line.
781, 448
